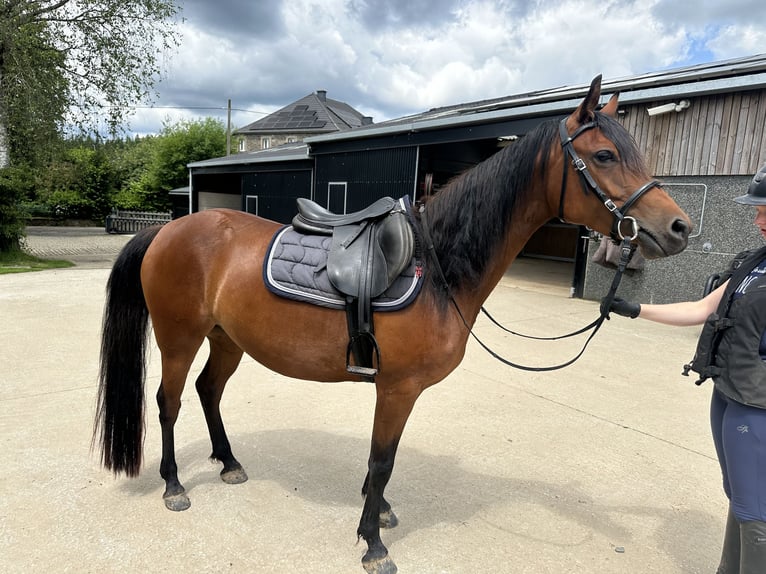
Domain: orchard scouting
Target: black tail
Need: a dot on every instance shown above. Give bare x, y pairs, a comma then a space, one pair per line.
119, 424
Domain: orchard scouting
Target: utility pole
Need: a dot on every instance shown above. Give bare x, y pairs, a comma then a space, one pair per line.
228, 128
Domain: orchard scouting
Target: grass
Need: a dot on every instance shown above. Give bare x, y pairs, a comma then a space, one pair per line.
20, 262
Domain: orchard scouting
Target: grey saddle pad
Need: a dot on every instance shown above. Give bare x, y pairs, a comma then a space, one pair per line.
296, 268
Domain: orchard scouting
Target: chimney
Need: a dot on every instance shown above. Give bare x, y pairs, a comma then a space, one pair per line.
322, 95
366, 120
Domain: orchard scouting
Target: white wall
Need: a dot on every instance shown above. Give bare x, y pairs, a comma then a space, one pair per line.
209, 200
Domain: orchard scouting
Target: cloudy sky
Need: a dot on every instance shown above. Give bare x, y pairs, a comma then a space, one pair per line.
390, 58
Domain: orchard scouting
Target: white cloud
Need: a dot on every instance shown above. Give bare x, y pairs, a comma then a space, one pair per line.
404, 56
733, 41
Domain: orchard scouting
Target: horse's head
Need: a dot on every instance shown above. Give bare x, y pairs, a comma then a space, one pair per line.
600, 158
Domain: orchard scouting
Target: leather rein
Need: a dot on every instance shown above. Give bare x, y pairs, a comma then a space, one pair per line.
626, 248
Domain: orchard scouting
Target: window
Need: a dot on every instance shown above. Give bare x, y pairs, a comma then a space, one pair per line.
265, 143
241, 146
336, 196
291, 140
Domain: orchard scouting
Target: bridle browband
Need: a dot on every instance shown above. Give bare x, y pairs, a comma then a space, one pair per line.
626, 249
589, 184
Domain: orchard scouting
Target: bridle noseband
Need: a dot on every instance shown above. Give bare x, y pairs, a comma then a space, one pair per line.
589, 184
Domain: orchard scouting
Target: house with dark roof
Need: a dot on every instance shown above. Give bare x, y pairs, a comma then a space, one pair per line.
312, 115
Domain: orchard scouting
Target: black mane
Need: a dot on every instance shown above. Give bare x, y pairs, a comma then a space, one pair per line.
469, 217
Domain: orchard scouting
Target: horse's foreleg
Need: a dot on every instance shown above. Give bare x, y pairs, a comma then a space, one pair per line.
224, 359
387, 518
392, 409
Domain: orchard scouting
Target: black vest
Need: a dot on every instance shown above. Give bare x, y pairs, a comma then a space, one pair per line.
728, 347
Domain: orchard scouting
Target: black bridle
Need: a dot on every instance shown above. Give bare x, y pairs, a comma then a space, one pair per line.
626, 248
589, 184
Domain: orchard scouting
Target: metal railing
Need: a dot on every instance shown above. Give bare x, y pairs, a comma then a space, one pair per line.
120, 221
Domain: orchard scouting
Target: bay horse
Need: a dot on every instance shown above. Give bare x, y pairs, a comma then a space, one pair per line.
200, 277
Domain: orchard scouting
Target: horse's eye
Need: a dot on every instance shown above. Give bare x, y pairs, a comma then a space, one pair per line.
605, 156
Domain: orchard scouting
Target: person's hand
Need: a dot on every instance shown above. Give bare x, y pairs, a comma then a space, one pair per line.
621, 307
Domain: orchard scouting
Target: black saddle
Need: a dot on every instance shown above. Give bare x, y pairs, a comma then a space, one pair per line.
369, 250
312, 218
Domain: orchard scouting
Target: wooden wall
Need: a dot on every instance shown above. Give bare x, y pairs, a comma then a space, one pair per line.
717, 135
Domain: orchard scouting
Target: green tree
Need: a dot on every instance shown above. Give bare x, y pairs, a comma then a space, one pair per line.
33, 92
76, 63
88, 176
101, 56
78, 185
14, 185
130, 161
178, 145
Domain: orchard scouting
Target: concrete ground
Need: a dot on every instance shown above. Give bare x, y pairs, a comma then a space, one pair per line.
604, 467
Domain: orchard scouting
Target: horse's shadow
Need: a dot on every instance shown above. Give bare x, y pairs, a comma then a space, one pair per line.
425, 490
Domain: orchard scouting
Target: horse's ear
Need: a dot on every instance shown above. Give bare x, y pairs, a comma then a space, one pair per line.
586, 110
610, 108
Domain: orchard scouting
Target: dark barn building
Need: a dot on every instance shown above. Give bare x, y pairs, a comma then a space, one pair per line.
264, 183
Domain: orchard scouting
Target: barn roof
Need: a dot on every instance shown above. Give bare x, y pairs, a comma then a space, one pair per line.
287, 152
314, 113
739, 74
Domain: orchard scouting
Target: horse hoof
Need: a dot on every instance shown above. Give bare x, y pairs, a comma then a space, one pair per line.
388, 519
177, 502
380, 566
234, 476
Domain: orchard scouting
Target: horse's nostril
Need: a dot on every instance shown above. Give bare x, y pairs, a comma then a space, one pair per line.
681, 227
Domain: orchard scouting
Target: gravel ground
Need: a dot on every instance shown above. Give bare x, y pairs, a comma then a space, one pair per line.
84, 246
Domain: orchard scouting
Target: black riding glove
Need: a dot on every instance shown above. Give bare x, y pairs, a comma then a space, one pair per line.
621, 307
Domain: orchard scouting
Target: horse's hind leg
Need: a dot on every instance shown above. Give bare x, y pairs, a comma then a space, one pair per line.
224, 359
175, 368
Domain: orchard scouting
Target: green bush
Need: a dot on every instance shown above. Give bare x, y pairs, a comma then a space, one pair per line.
134, 196
78, 185
15, 184
72, 204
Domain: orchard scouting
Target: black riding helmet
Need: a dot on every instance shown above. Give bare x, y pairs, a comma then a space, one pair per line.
756, 193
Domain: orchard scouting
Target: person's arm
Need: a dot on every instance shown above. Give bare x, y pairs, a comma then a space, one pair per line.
681, 314
685, 313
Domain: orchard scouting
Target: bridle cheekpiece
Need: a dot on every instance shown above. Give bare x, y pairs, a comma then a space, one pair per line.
589, 184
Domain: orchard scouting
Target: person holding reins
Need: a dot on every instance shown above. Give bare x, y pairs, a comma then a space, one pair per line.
732, 352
